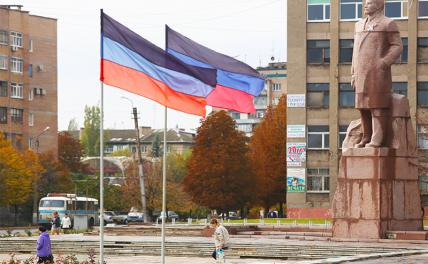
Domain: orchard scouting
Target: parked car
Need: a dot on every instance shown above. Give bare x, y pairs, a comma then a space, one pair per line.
120, 218
169, 216
232, 215
108, 217
135, 217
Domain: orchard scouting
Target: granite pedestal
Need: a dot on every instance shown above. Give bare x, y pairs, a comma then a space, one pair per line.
377, 191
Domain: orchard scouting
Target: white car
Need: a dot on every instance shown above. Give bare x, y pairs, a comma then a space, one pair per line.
135, 217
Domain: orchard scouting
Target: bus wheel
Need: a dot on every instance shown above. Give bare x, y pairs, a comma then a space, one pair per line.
91, 223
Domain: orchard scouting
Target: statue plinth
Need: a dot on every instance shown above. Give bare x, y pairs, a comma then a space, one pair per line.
377, 191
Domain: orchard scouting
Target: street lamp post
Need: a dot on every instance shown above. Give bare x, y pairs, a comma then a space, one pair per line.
35, 189
140, 162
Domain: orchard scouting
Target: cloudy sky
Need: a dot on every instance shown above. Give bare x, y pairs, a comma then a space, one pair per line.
251, 30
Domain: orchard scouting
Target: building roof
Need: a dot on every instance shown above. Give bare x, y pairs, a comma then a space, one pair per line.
172, 135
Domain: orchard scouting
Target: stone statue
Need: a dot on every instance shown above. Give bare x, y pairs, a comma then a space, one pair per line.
377, 45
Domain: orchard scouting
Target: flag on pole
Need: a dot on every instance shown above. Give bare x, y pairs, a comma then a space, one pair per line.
134, 64
236, 82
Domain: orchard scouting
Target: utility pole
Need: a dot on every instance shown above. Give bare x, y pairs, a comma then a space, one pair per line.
140, 166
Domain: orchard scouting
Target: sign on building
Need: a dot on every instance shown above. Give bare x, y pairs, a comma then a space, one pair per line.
296, 152
296, 131
296, 100
296, 180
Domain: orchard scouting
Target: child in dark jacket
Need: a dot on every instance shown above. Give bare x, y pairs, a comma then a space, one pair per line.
44, 251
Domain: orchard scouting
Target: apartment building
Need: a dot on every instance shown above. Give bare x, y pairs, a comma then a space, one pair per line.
320, 98
275, 86
28, 79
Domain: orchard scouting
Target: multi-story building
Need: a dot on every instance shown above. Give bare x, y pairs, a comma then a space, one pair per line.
320, 99
28, 79
275, 86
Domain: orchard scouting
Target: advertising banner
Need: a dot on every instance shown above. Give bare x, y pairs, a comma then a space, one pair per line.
296, 180
296, 100
296, 152
296, 131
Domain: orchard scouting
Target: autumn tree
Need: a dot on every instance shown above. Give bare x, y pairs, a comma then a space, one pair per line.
17, 173
91, 130
218, 171
56, 176
268, 156
70, 152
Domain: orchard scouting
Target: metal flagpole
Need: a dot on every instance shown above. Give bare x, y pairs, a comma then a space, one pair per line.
164, 213
102, 153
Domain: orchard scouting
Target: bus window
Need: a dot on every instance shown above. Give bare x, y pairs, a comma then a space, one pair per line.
52, 203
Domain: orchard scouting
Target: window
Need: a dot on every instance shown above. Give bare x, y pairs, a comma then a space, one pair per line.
318, 95
422, 136
52, 203
399, 88
30, 95
16, 39
3, 115
30, 143
318, 180
3, 37
346, 47
17, 115
3, 88
351, 9
318, 10
318, 137
423, 94
235, 115
260, 114
30, 49
423, 50
31, 119
346, 95
17, 65
144, 149
16, 140
318, 51
247, 128
396, 8
30, 70
16, 90
3, 62
276, 87
342, 135
423, 8
405, 54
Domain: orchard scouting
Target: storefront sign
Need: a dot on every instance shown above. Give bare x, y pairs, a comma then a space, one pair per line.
296, 100
296, 180
296, 152
296, 131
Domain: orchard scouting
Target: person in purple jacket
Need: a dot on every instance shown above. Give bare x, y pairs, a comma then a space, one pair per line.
44, 251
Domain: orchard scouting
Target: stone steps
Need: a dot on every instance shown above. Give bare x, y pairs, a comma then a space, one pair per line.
244, 250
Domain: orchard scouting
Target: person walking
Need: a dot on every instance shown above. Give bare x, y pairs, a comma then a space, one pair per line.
44, 247
56, 224
221, 240
66, 223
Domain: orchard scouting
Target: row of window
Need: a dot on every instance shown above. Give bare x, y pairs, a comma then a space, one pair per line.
17, 91
16, 64
318, 51
318, 137
16, 116
15, 38
319, 10
318, 94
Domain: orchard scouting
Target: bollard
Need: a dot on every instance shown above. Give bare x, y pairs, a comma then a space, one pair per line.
205, 221
173, 221
278, 222
189, 221
245, 221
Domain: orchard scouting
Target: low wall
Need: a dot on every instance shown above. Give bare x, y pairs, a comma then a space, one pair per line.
309, 213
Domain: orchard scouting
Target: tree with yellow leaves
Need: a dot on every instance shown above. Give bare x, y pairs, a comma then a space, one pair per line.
17, 173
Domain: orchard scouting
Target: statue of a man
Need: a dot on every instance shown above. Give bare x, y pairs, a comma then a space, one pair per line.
377, 45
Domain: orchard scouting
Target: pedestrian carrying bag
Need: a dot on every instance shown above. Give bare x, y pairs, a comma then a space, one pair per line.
220, 256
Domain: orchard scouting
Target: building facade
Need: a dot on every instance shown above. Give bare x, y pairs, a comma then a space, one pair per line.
320, 98
275, 86
28, 79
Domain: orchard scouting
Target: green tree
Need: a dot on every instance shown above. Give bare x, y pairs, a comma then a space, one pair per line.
268, 156
73, 125
121, 153
218, 171
91, 131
